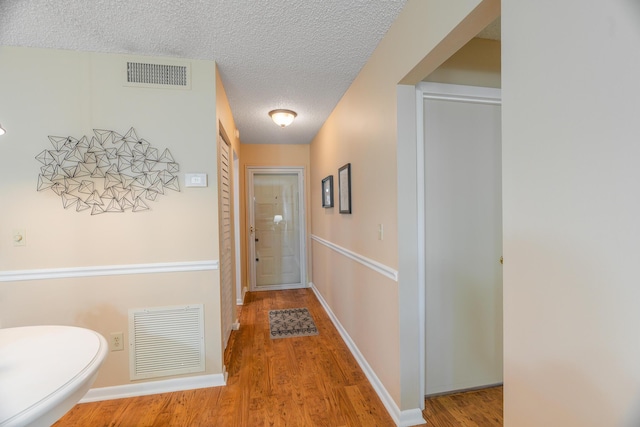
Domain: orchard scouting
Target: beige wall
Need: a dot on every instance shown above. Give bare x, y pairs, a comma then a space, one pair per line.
477, 63
224, 114
271, 155
102, 304
69, 94
571, 209
362, 131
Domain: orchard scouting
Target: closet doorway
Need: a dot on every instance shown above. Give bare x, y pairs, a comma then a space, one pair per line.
463, 236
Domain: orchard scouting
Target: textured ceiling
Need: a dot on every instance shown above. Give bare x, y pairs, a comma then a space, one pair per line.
296, 54
493, 31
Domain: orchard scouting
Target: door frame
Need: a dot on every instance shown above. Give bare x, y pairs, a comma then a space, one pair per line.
240, 290
274, 170
435, 91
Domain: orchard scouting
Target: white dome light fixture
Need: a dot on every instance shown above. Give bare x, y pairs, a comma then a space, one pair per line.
2, 131
282, 118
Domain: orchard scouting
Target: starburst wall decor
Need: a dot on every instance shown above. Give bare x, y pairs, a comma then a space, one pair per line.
107, 173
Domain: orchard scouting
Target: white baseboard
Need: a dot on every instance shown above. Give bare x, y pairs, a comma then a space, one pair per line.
153, 387
410, 417
406, 418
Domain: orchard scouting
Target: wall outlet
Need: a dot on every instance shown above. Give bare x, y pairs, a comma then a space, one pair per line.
116, 341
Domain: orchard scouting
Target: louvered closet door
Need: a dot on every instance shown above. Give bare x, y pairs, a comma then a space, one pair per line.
226, 248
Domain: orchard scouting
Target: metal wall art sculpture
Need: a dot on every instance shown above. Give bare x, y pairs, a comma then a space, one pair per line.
107, 173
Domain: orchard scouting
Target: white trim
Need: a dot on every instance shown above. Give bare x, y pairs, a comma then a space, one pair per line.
236, 227
153, 387
280, 287
422, 245
107, 270
408, 262
367, 262
410, 417
460, 93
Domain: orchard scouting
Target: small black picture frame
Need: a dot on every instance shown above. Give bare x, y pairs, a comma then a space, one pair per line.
327, 192
344, 187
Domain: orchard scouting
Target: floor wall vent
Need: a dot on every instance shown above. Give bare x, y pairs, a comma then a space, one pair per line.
166, 341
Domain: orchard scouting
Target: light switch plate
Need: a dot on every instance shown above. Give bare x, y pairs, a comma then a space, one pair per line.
195, 180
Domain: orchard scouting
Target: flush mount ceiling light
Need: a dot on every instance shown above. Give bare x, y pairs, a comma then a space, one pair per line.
282, 117
2, 131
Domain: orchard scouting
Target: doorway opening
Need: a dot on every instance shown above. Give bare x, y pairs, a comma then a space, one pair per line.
462, 236
276, 228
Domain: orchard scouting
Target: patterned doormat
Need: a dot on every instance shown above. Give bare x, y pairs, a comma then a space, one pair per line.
292, 322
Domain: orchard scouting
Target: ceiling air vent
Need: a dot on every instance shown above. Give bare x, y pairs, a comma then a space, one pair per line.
158, 75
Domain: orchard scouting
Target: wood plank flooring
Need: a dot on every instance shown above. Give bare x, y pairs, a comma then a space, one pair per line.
305, 381
479, 408
293, 382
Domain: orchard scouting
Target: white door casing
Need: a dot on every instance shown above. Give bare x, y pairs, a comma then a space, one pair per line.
240, 290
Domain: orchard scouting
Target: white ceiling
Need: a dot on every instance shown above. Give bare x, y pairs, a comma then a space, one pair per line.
296, 54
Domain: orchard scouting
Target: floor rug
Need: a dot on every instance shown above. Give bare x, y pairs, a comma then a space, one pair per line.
291, 322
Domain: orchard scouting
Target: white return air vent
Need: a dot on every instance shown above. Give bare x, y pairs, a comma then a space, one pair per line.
166, 341
157, 75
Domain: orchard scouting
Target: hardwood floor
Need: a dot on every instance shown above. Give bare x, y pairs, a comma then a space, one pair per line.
306, 381
292, 382
479, 408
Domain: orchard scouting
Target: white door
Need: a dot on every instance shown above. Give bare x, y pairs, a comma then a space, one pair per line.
226, 240
463, 237
276, 238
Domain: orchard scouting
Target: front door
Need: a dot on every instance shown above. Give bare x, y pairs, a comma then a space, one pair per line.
276, 237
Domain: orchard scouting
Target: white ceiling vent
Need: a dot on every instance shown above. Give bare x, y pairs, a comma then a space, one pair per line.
166, 341
171, 76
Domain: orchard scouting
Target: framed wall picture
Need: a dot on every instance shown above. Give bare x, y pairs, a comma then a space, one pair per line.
344, 188
327, 192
